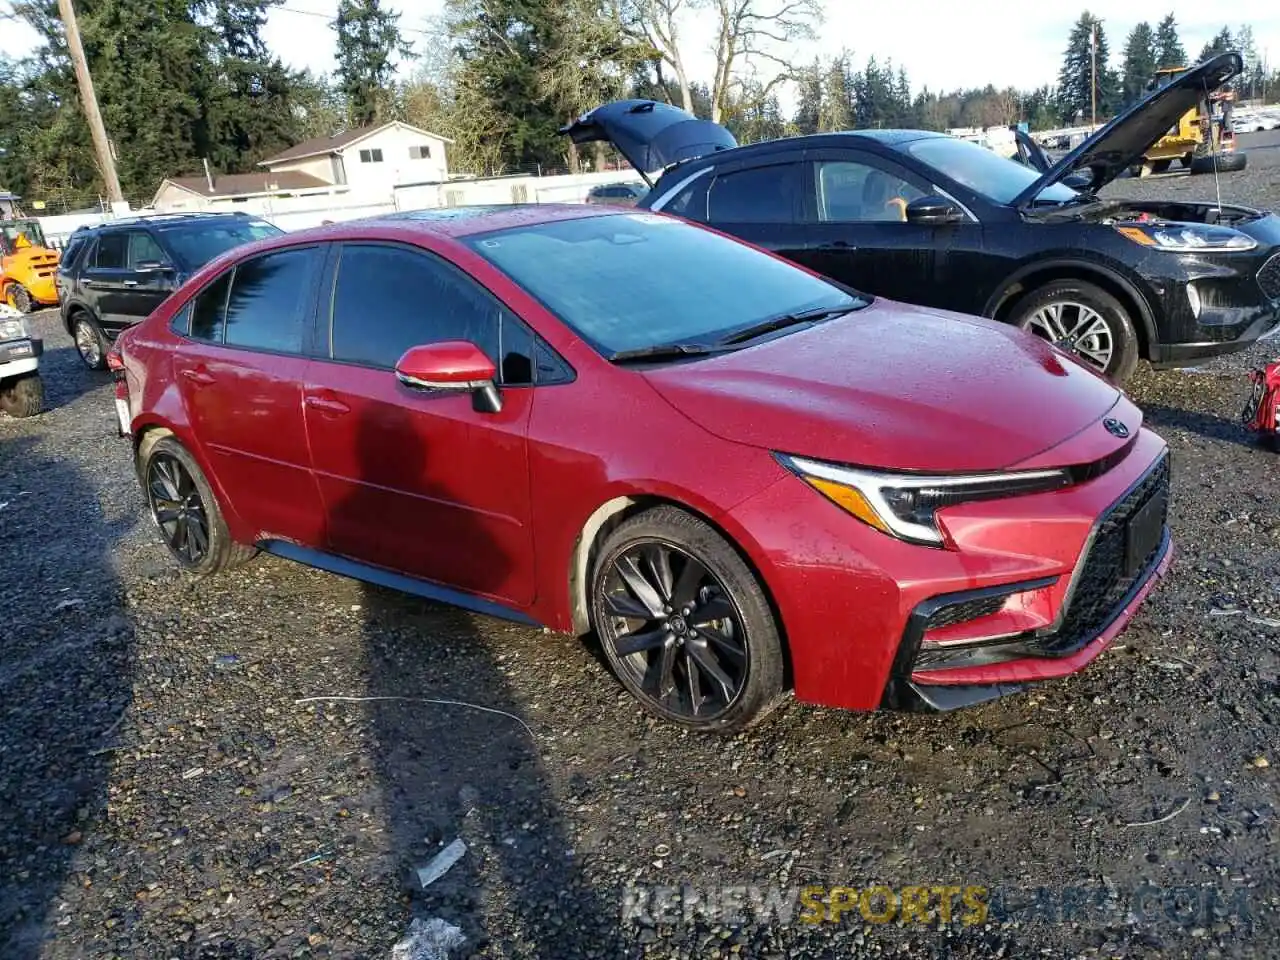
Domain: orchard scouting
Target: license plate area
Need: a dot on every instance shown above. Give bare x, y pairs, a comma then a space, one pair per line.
1143, 533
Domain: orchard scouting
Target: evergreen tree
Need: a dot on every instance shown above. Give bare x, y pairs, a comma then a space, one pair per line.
1222, 43
809, 99
1076, 92
1139, 64
1169, 49
369, 40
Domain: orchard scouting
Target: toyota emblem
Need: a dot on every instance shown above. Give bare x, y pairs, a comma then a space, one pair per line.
1115, 427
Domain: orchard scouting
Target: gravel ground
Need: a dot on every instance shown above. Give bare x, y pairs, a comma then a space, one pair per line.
163, 792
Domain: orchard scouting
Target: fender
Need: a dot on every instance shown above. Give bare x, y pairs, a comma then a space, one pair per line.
1083, 267
71, 306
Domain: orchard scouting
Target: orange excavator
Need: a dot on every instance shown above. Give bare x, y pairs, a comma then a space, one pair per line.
27, 265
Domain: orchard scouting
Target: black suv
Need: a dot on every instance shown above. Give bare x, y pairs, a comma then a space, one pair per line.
937, 221
112, 275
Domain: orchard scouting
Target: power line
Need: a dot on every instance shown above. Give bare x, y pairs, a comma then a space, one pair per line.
331, 19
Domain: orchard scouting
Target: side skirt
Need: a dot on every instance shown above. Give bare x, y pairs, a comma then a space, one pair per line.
396, 581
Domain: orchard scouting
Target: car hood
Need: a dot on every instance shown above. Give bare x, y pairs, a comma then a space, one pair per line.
894, 387
651, 135
1118, 144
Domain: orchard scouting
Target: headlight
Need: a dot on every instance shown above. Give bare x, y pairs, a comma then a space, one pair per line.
904, 505
12, 329
1187, 237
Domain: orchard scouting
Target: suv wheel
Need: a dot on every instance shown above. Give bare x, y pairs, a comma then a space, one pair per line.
185, 510
1085, 320
23, 396
20, 298
91, 344
685, 624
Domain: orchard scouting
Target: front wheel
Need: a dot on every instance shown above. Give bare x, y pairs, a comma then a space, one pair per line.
1083, 319
20, 298
685, 624
185, 510
23, 396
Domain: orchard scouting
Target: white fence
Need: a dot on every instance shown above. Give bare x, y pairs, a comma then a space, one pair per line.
298, 213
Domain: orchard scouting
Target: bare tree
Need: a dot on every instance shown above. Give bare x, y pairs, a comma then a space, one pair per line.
753, 36
659, 23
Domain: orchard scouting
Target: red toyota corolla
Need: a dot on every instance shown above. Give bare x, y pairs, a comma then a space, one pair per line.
741, 476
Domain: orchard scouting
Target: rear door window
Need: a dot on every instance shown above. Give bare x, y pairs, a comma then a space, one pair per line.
266, 308
768, 194
143, 247
112, 251
210, 310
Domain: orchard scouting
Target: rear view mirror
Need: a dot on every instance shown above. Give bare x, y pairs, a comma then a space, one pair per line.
934, 210
453, 366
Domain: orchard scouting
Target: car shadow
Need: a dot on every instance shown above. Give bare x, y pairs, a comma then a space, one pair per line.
1228, 430
455, 754
66, 667
67, 379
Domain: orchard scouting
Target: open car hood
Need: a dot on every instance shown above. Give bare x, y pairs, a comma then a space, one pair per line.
651, 135
1120, 143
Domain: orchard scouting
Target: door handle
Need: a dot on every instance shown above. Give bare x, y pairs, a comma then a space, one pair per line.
86, 282
198, 376
837, 245
329, 405
131, 283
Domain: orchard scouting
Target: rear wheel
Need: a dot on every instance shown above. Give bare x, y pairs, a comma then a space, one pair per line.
185, 510
1226, 163
1085, 320
91, 342
20, 298
684, 623
23, 396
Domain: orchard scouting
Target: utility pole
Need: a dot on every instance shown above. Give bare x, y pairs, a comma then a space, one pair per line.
1093, 72
101, 146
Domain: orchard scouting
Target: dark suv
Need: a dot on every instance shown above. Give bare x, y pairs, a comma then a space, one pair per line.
113, 275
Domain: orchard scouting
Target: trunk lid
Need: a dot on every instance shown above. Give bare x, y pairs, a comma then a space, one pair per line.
1120, 143
651, 135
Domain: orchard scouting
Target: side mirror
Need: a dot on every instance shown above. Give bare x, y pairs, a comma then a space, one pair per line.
153, 266
933, 211
453, 366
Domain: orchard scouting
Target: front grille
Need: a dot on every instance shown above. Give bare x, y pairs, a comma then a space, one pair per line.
964, 611
1269, 278
1102, 584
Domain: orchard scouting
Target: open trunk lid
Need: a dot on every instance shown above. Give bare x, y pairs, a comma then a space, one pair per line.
651, 135
1120, 143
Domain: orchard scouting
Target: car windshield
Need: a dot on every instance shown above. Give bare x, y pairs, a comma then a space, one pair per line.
982, 170
198, 243
629, 282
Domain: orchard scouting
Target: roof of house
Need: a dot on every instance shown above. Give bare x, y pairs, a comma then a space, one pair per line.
318, 146
244, 184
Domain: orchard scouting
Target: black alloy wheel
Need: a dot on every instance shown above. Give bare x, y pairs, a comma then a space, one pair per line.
178, 509
684, 624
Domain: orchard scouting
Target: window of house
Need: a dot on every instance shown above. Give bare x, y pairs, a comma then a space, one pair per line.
370, 156
420, 152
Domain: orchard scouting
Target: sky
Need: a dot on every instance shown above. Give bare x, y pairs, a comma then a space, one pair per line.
944, 44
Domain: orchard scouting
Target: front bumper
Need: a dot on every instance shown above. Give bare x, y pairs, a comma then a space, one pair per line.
1030, 592
20, 356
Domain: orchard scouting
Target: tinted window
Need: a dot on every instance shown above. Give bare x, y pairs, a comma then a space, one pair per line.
210, 310
691, 202
143, 246
847, 190
389, 299
265, 309
196, 243
759, 195
75, 247
112, 251
631, 281
981, 170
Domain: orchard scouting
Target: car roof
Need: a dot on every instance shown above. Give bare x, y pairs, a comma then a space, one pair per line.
889, 139
164, 219
456, 222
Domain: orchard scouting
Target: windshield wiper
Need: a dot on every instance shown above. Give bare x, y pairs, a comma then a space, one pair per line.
666, 351
783, 321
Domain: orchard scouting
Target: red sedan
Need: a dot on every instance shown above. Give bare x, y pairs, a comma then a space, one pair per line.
743, 477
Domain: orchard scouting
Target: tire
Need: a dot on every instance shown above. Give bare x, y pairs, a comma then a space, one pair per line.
23, 396
739, 638
170, 475
1186, 160
90, 341
1072, 295
1227, 163
1161, 166
20, 298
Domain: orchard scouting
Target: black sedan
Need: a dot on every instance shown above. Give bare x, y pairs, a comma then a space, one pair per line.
934, 220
